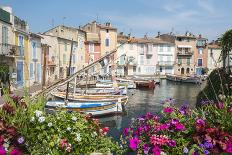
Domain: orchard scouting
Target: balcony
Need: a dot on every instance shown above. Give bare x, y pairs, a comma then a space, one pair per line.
185, 53
131, 61
11, 50
165, 63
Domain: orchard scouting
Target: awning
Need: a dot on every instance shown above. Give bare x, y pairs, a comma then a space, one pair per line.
184, 46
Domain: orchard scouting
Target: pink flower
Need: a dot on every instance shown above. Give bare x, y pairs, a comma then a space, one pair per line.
200, 122
175, 121
156, 150
179, 127
2, 150
220, 105
125, 131
15, 152
171, 143
134, 142
168, 110
162, 127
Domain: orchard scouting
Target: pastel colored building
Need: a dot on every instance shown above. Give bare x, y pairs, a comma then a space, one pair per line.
63, 37
185, 49
201, 55
8, 49
35, 59
214, 53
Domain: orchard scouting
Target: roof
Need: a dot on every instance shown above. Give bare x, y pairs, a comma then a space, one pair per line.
152, 40
214, 46
35, 35
185, 36
67, 27
106, 27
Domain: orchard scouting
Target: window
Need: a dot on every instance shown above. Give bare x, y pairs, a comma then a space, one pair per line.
169, 48
19, 72
4, 35
74, 58
31, 70
107, 42
200, 51
33, 44
64, 59
148, 61
134, 69
160, 58
142, 49
199, 62
161, 69
21, 45
149, 48
179, 61
141, 59
169, 58
161, 48
91, 47
131, 46
65, 46
107, 30
188, 61
81, 57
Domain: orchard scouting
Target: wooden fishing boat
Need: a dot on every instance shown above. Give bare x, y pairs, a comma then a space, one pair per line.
94, 108
92, 98
150, 84
185, 79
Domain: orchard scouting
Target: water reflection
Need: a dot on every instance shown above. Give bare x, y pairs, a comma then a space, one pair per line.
143, 101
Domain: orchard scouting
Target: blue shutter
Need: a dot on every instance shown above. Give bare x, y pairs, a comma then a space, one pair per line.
38, 72
31, 70
20, 73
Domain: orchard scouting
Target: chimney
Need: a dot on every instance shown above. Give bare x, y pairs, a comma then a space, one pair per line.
145, 36
129, 35
158, 34
108, 24
121, 33
199, 35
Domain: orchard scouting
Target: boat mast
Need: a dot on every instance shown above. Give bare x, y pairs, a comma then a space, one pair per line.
68, 73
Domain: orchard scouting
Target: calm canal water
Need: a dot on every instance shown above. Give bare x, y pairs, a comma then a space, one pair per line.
143, 101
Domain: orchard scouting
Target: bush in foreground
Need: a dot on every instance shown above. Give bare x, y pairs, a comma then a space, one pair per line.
182, 131
26, 129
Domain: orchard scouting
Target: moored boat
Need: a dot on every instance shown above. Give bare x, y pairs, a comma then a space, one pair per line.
94, 108
92, 98
185, 79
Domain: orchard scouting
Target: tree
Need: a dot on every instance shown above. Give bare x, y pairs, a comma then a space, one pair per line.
226, 44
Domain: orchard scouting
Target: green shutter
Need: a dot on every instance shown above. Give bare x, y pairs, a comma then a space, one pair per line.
4, 16
179, 61
188, 61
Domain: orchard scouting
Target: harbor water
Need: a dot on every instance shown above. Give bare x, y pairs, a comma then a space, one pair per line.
143, 101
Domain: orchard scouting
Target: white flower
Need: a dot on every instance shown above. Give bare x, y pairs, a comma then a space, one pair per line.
94, 134
163, 153
32, 119
49, 124
38, 113
74, 118
41, 119
68, 128
78, 137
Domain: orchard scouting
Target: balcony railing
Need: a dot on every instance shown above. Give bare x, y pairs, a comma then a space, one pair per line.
165, 63
185, 53
11, 50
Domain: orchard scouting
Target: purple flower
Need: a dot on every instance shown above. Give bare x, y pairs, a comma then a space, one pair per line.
175, 121
20, 140
156, 150
134, 143
172, 143
195, 153
208, 145
2, 150
206, 152
179, 127
146, 149
168, 110
185, 150
125, 131
202, 145
200, 122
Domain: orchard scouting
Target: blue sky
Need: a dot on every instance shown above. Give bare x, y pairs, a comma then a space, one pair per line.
207, 17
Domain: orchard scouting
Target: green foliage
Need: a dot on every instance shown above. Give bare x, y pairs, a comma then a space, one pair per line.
218, 83
58, 133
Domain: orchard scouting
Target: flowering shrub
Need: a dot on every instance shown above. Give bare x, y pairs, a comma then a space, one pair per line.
181, 131
26, 129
